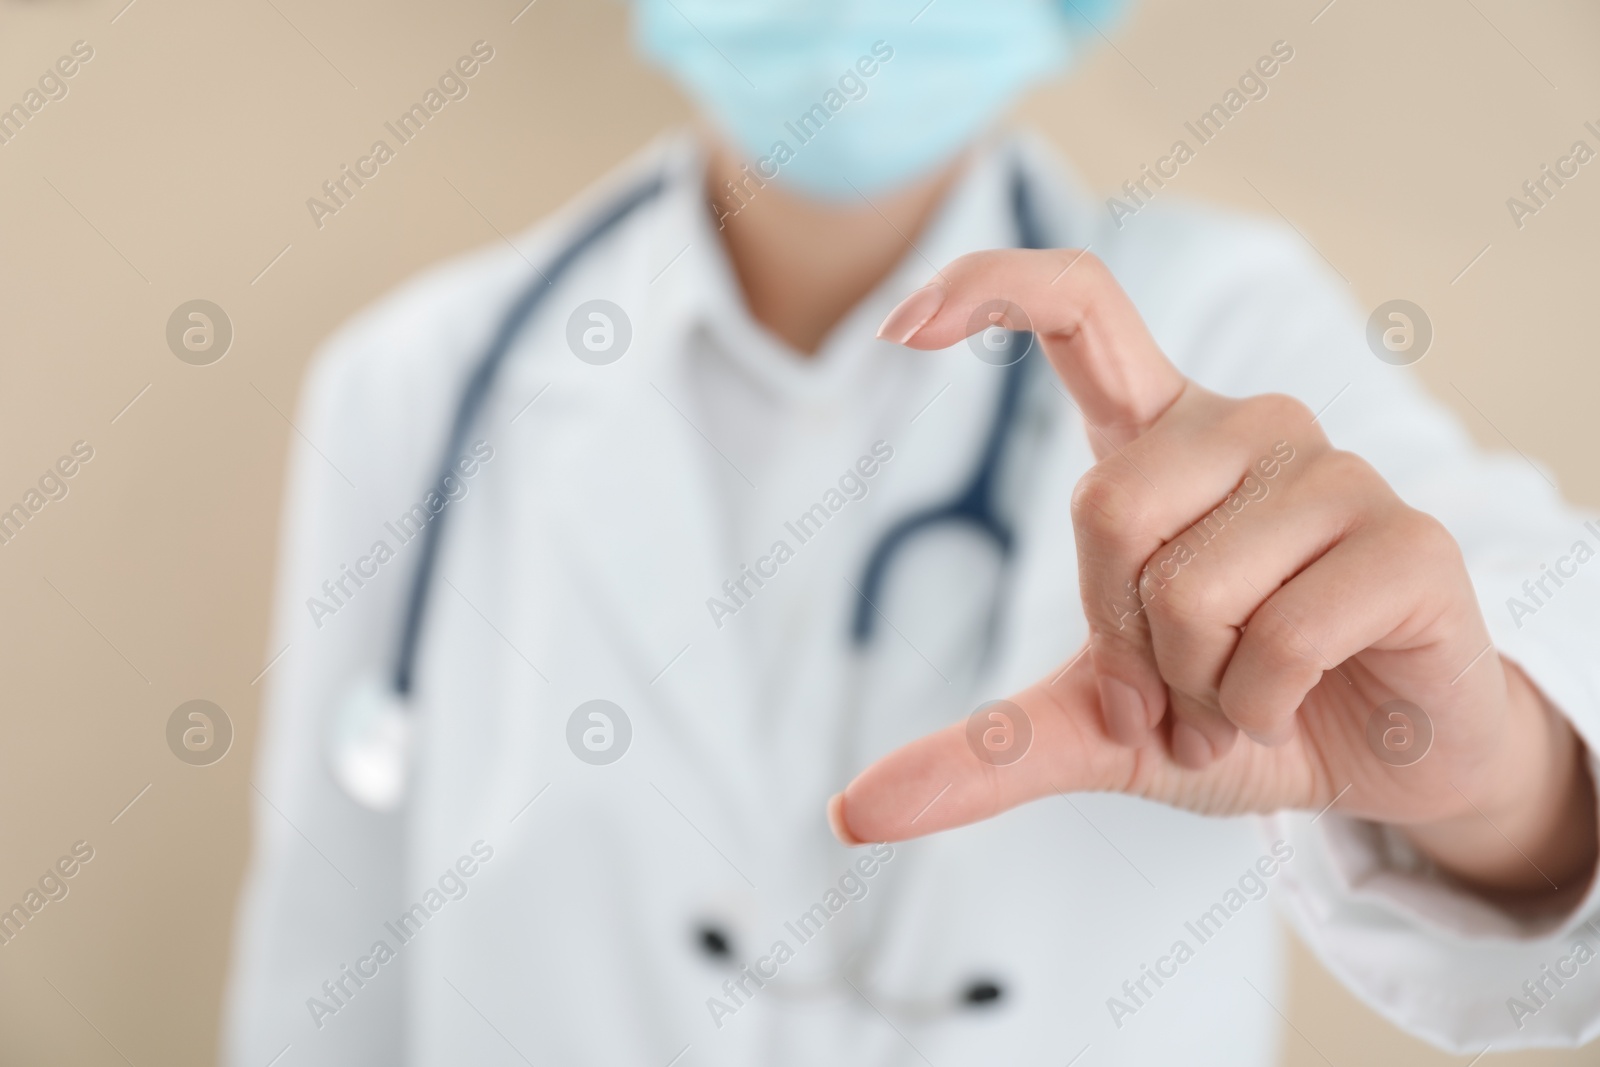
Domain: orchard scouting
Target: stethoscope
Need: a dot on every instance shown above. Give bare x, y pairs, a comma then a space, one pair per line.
976, 504
849, 978
371, 745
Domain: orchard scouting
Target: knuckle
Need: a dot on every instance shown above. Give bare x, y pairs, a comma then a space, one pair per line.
1106, 506
982, 275
1345, 468
1083, 277
1079, 264
1423, 535
1277, 417
971, 263
1278, 411
1093, 267
1180, 599
1282, 645
1094, 280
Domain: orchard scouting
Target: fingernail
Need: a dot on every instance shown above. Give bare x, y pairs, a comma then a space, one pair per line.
1126, 719
836, 822
1189, 746
912, 314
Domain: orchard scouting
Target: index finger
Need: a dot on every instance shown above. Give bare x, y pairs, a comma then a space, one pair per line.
1090, 330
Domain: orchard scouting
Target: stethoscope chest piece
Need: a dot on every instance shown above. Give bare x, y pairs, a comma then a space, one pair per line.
370, 744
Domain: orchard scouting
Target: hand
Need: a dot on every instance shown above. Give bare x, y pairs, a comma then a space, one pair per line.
1242, 576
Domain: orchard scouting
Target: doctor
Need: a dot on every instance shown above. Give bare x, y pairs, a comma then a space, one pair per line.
610, 557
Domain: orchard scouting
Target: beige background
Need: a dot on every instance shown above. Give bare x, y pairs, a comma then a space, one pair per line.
179, 165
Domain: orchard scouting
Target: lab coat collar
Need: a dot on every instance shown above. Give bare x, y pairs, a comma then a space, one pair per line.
697, 289
645, 548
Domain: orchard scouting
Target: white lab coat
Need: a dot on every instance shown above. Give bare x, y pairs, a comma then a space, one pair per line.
578, 566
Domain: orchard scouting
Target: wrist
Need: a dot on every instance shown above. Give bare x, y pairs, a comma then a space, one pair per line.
1532, 833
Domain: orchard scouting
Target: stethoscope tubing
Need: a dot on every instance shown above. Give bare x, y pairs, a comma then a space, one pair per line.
975, 504
476, 394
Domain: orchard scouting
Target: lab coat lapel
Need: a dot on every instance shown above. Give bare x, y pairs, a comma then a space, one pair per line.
646, 536
650, 545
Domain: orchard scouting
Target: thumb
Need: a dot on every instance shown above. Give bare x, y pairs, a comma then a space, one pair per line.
1090, 330
1046, 739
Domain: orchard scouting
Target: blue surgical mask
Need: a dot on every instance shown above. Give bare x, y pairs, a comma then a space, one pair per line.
831, 97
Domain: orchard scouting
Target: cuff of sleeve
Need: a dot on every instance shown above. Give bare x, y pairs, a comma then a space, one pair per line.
1377, 864
1429, 955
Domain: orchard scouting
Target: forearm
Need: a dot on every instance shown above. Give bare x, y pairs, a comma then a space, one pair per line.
1538, 835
